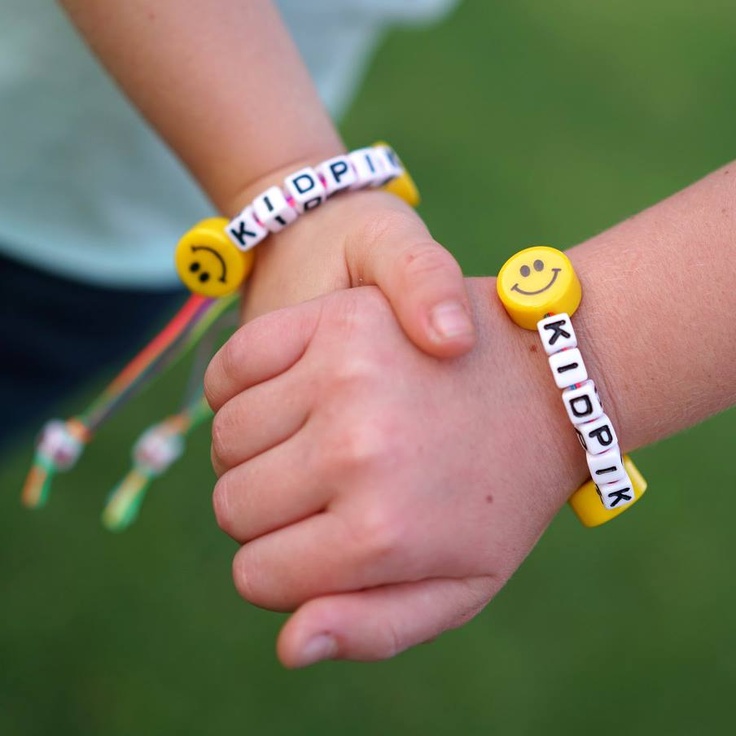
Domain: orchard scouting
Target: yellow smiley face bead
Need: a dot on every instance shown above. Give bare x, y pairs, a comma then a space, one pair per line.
537, 281
208, 262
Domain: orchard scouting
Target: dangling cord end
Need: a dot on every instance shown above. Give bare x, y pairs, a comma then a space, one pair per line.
125, 501
38, 484
154, 452
58, 449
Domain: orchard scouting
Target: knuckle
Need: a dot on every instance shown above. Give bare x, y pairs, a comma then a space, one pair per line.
216, 377
361, 446
221, 431
354, 370
473, 597
381, 533
229, 357
221, 505
392, 643
215, 461
257, 583
211, 393
245, 576
389, 226
426, 259
228, 361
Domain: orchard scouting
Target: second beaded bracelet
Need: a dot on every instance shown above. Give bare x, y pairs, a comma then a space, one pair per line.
215, 257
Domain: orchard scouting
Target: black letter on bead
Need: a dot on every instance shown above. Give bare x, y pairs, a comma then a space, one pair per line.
612, 469
279, 219
311, 184
567, 367
241, 234
392, 157
312, 203
558, 331
338, 169
603, 435
587, 406
620, 496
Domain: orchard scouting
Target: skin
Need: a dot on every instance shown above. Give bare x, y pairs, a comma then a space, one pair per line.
259, 122
387, 496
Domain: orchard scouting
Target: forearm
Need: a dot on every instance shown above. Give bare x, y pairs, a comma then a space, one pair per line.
221, 82
658, 316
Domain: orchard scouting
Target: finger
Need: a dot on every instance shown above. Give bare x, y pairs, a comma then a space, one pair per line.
421, 280
260, 350
319, 556
273, 490
379, 623
258, 419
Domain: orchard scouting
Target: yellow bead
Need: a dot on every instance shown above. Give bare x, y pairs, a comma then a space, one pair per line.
537, 281
587, 505
208, 262
402, 186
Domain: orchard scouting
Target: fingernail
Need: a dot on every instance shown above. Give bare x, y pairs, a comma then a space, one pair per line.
322, 646
449, 320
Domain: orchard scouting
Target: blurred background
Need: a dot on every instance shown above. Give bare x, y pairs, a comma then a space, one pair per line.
524, 122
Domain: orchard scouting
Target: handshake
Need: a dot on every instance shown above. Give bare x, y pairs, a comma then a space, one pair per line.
382, 494
385, 478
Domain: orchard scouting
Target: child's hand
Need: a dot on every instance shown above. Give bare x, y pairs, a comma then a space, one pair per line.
384, 495
360, 238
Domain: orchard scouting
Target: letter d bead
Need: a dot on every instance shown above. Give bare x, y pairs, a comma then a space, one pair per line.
582, 403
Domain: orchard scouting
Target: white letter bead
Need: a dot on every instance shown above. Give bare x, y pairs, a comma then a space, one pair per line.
568, 368
245, 231
618, 494
337, 174
582, 403
305, 189
368, 168
556, 333
272, 209
597, 436
608, 467
390, 162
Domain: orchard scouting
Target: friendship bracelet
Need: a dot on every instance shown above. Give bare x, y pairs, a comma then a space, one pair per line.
540, 290
215, 257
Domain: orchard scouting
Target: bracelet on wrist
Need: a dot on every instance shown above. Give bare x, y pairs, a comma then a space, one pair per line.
215, 257
540, 291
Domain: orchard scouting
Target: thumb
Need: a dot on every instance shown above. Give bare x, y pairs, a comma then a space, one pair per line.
421, 280
381, 622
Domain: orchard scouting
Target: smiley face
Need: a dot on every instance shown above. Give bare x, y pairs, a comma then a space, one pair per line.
535, 282
207, 261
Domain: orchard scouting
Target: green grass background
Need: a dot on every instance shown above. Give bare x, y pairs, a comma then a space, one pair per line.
524, 122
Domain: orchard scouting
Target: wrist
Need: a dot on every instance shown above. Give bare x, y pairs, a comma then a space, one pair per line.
535, 424
312, 256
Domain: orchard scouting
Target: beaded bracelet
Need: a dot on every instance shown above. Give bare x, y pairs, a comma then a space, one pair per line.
215, 257
539, 289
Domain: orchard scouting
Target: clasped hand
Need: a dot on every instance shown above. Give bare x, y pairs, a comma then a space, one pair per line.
382, 494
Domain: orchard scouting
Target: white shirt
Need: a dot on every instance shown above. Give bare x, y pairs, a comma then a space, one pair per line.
86, 188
